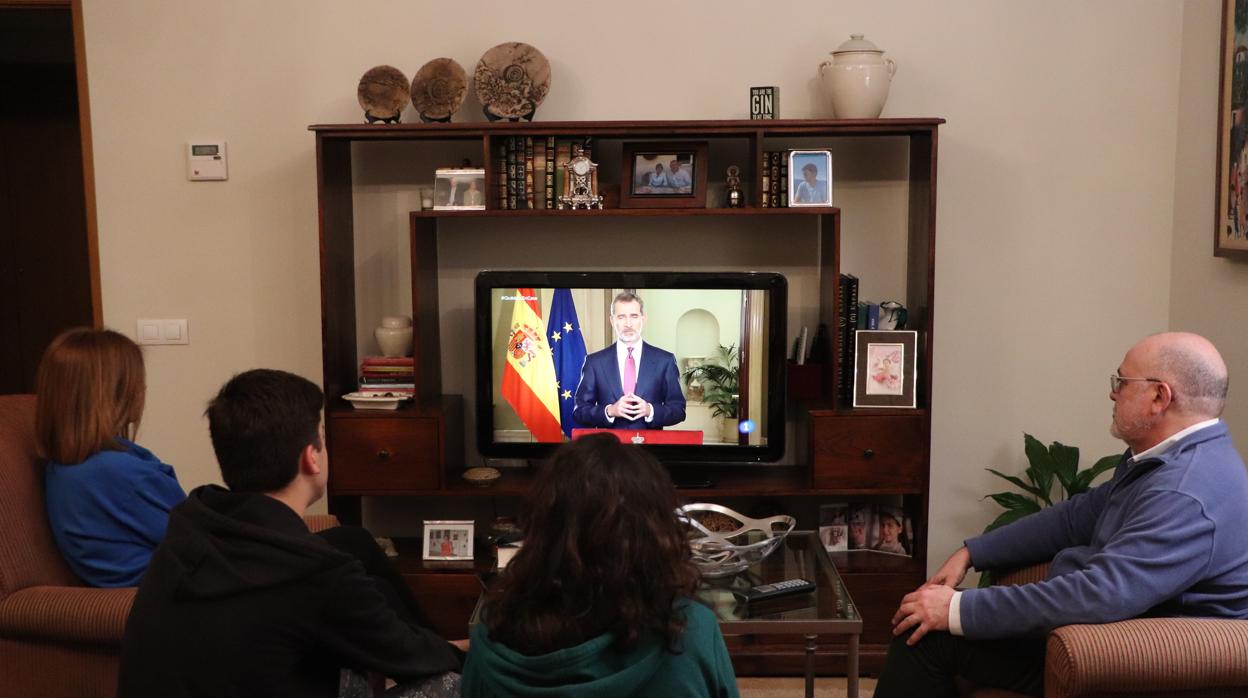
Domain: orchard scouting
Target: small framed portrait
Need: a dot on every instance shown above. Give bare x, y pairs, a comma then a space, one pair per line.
460, 189
885, 368
810, 178
663, 175
448, 540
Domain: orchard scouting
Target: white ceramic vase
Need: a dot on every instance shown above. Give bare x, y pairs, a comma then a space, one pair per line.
395, 335
857, 79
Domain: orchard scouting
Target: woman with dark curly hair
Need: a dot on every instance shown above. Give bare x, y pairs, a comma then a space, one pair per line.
597, 601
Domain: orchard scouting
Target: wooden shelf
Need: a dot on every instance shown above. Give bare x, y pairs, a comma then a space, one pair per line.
592, 213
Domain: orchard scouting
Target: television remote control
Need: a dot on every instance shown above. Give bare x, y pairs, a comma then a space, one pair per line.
770, 591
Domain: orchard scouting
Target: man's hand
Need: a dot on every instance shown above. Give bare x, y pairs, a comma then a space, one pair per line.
461, 645
954, 570
927, 608
629, 407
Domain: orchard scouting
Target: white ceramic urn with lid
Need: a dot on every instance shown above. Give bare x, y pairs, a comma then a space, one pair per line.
857, 79
395, 335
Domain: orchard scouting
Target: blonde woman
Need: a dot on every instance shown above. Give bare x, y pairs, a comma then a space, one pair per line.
108, 499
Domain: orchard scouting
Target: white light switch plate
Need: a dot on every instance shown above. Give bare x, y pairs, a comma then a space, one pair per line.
168, 331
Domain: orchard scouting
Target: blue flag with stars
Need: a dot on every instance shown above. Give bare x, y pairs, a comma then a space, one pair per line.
568, 347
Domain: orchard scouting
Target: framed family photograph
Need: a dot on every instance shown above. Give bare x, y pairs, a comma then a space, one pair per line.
885, 368
460, 189
810, 178
663, 175
1231, 217
448, 540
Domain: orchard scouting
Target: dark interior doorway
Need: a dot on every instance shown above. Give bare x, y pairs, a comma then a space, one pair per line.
46, 268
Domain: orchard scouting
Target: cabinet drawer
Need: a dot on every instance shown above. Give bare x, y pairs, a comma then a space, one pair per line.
383, 455
867, 452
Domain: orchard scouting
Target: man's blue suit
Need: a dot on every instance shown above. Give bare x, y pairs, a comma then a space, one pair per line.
658, 383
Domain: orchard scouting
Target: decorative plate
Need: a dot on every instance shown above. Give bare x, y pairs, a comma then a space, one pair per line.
511, 80
438, 89
361, 401
481, 477
383, 92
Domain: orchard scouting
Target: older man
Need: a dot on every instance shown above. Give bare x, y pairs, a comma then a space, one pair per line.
1164, 537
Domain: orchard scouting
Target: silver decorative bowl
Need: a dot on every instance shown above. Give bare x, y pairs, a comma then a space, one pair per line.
725, 553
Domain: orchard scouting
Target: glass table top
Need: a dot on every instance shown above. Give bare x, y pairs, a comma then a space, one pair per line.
827, 609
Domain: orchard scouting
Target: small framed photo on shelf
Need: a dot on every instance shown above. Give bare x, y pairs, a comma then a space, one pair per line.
663, 175
448, 540
810, 178
885, 368
459, 189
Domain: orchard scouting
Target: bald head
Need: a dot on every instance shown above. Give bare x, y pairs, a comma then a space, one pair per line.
1193, 368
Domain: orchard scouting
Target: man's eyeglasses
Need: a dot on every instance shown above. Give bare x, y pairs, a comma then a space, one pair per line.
1116, 381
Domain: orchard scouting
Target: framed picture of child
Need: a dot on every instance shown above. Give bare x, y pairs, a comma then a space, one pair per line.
810, 178
448, 540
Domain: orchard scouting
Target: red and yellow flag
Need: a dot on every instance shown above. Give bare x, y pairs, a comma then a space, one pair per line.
529, 382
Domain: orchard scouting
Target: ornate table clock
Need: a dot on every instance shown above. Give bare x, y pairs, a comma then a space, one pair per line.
580, 180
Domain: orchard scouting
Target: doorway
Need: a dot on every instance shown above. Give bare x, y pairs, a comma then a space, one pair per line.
49, 278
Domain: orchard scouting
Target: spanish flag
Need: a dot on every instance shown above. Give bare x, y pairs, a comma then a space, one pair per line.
529, 383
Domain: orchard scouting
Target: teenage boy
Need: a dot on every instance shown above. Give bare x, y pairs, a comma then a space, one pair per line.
240, 599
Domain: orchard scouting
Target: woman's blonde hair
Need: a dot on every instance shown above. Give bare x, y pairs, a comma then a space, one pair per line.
90, 387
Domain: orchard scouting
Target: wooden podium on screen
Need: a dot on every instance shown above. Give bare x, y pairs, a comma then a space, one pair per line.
682, 437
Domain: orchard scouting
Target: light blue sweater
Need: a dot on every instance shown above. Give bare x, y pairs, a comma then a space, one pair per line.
109, 512
1164, 537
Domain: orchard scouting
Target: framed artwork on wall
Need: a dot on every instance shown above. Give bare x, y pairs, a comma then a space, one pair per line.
1231, 216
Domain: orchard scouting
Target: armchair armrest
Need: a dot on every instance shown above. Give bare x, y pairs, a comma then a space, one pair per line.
81, 614
1022, 575
1146, 655
319, 522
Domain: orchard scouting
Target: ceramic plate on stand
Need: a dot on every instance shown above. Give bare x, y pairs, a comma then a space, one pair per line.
383, 92
511, 80
438, 89
360, 401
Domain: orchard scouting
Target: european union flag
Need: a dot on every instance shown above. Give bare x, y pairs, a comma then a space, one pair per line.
568, 347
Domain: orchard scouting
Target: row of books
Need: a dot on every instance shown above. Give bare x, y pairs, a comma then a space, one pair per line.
846, 324
382, 375
531, 170
775, 169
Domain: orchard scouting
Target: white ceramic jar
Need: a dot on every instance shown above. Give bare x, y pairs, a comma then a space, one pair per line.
395, 335
857, 79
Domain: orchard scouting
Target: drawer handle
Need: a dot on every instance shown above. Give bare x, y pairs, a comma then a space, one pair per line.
383, 454
868, 454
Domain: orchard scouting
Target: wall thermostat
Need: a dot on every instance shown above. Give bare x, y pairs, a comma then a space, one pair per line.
205, 160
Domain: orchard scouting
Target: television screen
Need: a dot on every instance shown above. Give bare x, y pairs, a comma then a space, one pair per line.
688, 364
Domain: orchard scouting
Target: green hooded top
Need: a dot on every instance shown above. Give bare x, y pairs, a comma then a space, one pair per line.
596, 669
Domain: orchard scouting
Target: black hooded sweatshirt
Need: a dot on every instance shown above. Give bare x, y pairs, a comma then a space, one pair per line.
241, 600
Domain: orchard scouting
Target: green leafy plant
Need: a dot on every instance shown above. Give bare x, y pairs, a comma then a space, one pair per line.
1055, 462
720, 380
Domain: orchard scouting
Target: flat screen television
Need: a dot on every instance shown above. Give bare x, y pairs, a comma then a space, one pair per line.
707, 383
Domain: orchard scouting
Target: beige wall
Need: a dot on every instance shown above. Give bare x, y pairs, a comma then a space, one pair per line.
1056, 191
1210, 294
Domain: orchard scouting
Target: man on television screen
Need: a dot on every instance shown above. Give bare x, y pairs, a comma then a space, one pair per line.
630, 384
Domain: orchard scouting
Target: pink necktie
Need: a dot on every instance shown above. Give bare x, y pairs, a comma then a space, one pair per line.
630, 373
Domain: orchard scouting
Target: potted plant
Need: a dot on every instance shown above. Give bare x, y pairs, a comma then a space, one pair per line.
719, 379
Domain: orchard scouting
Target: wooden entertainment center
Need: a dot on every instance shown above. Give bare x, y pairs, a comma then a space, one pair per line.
420, 450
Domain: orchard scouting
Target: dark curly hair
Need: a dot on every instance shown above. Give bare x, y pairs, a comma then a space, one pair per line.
603, 552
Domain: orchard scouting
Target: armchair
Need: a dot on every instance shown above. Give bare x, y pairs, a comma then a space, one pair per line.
57, 636
1141, 657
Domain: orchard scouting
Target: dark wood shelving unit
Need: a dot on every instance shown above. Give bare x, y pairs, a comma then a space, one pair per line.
417, 450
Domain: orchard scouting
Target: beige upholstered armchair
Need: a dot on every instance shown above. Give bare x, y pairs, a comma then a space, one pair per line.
1142, 657
57, 637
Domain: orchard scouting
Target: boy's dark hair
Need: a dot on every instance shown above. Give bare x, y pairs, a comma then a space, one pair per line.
259, 423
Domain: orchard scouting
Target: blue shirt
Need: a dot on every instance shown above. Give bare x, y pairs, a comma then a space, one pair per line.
109, 512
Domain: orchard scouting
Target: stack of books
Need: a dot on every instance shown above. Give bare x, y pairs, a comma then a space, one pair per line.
382, 375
